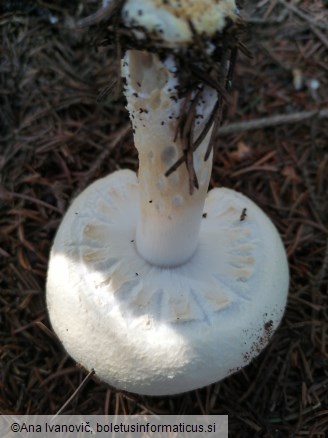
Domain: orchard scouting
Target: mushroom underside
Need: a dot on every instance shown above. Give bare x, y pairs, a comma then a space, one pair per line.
154, 330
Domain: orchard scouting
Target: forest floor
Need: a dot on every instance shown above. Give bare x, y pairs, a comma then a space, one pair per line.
59, 131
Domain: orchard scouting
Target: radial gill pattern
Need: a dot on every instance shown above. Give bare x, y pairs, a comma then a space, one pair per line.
119, 280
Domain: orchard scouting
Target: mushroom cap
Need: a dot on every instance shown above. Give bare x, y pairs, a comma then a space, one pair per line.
159, 331
169, 19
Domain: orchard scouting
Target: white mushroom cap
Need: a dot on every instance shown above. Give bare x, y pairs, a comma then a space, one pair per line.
161, 331
169, 18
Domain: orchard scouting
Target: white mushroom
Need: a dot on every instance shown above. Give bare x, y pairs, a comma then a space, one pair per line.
159, 288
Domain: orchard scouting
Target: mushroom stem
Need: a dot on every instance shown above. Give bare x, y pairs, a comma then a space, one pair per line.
170, 212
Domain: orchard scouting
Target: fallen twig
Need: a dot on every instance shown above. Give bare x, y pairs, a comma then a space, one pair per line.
100, 15
77, 391
266, 122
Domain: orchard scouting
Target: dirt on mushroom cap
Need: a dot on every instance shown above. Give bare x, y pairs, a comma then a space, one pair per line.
172, 18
